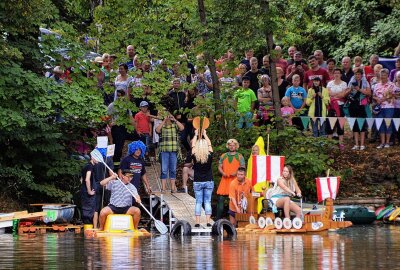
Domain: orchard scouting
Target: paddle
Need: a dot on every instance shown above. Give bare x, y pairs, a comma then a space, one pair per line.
95, 154
206, 124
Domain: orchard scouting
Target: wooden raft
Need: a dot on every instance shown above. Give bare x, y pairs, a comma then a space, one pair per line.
42, 229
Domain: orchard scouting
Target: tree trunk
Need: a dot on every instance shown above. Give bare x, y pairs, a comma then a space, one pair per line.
209, 58
274, 77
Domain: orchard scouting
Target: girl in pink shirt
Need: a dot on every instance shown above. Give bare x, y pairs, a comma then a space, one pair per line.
287, 111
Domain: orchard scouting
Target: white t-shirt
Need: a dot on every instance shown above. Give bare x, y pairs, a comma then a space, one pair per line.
337, 88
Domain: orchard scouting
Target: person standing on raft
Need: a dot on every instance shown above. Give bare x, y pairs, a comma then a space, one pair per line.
203, 182
88, 193
228, 166
121, 198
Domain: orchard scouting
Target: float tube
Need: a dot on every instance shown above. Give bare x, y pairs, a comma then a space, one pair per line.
394, 214
117, 225
385, 211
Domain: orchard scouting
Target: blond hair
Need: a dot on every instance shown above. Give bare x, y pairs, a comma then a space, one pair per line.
200, 151
232, 141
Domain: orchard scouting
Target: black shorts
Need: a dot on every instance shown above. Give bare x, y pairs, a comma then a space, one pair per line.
119, 210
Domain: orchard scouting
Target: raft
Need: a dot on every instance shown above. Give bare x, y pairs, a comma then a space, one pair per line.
356, 214
117, 225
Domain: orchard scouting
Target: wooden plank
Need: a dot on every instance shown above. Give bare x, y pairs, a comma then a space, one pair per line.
24, 216
41, 204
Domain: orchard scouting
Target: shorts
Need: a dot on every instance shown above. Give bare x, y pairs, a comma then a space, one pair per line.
119, 210
231, 213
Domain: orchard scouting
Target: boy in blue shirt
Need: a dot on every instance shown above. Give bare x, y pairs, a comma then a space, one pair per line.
297, 96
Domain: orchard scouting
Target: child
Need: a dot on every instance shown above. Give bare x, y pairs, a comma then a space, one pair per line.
143, 124
88, 197
297, 99
287, 111
245, 102
358, 63
317, 98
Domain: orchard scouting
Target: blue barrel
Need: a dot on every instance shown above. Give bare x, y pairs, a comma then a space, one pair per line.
58, 213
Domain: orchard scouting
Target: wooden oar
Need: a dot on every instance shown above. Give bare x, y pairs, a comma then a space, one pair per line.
159, 225
196, 122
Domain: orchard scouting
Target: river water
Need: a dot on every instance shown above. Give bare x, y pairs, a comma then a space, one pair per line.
358, 247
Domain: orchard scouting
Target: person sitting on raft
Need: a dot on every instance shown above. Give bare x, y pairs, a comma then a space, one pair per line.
285, 188
121, 198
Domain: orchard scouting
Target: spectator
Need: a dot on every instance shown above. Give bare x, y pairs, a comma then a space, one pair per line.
168, 147
130, 51
253, 74
241, 71
287, 111
239, 189
356, 106
204, 82
397, 102
315, 71
228, 166
123, 81
384, 98
283, 84
291, 52
246, 61
337, 91
88, 187
265, 69
358, 63
347, 71
143, 125
58, 75
319, 55
377, 76
298, 67
297, 96
266, 101
203, 182
317, 99
245, 104
279, 61
392, 75
331, 65
369, 70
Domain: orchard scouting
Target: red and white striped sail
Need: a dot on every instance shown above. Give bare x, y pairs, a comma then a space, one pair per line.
266, 168
327, 187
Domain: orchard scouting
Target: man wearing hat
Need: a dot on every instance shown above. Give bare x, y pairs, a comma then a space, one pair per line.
142, 123
121, 198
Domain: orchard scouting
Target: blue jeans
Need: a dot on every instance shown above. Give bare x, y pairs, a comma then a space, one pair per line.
245, 120
203, 192
386, 113
318, 129
168, 165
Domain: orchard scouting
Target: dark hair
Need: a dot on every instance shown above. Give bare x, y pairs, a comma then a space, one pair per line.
125, 66
312, 57
359, 71
241, 169
338, 69
246, 78
331, 60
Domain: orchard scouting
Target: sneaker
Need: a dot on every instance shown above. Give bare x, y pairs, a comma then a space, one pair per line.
387, 145
197, 225
355, 147
380, 146
209, 225
362, 147
181, 190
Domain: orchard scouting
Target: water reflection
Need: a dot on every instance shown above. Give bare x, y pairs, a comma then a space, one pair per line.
358, 247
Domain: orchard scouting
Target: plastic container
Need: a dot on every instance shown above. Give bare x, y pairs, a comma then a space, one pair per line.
58, 213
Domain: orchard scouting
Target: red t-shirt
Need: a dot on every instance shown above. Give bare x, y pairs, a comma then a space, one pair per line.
369, 73
311, 74
142, 123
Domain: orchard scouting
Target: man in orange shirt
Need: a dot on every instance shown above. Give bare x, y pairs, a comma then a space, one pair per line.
143, 124
239, 189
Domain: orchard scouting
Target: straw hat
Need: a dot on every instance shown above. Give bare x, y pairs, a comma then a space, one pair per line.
98, 59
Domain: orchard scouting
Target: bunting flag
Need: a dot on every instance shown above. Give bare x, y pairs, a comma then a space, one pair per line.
266, 168
314, 119
351, 122
327, 187
388, 122
332, 121
396, 122
341, 120
305, 120
360, 122
322, 120
378, 123
370, 122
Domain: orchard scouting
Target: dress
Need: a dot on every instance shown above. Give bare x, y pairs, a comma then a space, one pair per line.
230, 164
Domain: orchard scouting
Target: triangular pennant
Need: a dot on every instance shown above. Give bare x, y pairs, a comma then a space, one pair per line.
322, 120
396, 122
378, 123
314, 119
341, 120
370, 122
360, 122
388, 121
305, 120
332, 121
351, 121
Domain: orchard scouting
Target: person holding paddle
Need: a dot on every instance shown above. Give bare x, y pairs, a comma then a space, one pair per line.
121, 199
203, 182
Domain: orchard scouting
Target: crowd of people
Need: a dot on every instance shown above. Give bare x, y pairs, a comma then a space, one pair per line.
312, 87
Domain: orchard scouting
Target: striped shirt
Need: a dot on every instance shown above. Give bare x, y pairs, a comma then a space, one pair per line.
169, 138
120, 196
